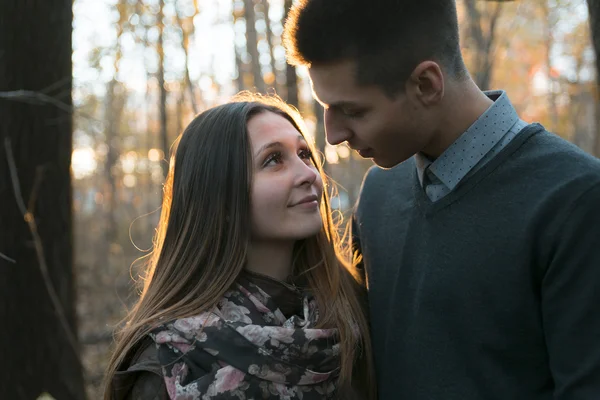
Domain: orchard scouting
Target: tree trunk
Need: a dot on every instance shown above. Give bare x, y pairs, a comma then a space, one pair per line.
185, 40
594, 13
320, 131
483, 39
113, 110
240, 70
269, 34
162, 104
252, 45
112, 116
291, 81
239, 64
38, 351
550, 25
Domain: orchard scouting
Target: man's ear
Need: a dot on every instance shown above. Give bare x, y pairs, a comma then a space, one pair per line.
426, 83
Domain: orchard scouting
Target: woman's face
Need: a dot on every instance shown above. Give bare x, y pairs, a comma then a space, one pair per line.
286, 186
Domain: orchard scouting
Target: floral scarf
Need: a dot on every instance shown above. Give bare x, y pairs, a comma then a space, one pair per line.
247, 349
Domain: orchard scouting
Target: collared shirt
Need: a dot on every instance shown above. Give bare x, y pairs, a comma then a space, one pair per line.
492, 131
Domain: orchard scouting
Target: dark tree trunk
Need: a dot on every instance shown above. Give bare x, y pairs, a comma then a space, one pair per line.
37, 353
594, 12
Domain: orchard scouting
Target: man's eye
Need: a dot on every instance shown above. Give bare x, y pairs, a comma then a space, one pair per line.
352, 113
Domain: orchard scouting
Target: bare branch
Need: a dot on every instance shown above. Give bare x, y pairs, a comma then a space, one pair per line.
37, 240
39, 98
31, 97
39, 173
7, 258
58, 84
13, 176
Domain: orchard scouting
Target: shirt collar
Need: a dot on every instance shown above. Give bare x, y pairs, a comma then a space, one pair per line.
458, 159
422, 162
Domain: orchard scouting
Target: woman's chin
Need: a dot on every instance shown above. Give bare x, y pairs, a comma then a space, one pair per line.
310, 231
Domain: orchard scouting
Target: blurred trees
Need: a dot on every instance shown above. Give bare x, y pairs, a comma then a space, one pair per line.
144, 68
39, 348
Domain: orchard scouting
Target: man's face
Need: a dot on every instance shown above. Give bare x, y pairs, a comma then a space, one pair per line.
388, 130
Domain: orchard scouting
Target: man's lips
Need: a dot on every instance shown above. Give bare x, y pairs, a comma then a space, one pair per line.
365, 153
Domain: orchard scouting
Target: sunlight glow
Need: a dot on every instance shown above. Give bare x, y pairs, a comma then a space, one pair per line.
128, 162
332, 155
343, 151
83, 162
155, 155
129, 180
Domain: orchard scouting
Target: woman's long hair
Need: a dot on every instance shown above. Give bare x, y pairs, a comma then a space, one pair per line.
203, 236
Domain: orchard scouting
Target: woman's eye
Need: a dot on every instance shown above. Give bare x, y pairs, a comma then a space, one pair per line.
305, 154
274, 158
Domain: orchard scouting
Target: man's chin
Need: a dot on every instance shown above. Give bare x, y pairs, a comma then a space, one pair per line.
384, 163
366, 153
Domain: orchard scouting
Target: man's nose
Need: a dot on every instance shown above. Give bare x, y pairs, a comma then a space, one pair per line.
335, 130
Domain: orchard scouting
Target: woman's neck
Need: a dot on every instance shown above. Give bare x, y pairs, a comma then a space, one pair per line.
273, 259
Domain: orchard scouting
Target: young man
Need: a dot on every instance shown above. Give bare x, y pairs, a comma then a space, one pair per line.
480, 233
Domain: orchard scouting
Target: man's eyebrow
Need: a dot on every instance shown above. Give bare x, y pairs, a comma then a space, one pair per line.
339, 104
342, 104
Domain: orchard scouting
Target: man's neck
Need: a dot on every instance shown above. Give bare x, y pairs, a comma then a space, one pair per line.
464, 103
273, 259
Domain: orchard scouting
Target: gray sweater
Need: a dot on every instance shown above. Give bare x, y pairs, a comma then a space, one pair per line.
493, 292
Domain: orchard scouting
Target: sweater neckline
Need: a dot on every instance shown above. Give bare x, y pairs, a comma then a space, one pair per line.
428, 207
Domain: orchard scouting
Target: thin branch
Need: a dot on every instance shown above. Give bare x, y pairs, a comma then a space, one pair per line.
39, 250
39, 98
31, 97
7, 258
39, 173
57, 84
14, 177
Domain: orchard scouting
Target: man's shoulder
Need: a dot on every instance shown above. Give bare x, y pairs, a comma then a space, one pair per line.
549, 153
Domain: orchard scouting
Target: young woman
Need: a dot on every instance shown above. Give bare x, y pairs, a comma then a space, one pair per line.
247, 294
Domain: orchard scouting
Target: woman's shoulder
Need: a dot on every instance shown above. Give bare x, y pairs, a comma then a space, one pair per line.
142, 379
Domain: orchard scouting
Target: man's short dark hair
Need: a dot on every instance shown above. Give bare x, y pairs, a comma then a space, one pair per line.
387, 38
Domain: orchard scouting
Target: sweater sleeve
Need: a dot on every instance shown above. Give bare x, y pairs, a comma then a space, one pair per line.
570, 295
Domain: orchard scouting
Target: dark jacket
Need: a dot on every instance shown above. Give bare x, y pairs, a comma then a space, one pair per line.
142, 379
